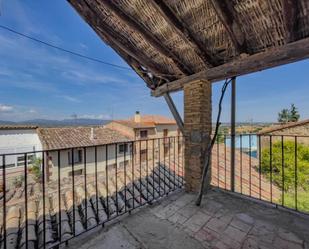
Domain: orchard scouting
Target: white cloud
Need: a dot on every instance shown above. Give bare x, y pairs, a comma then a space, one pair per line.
68, 98
6, 108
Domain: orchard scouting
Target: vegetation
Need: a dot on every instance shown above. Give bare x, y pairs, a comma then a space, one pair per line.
223, 130
18, 181
288, 115
284, 172
35, 169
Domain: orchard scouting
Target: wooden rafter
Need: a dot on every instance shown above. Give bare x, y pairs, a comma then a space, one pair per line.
107, 32
289, 8
273, 57
226, 14
184, 31
134, 25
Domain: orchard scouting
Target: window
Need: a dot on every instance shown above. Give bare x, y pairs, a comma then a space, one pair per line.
123, 148
78, 156
21, 160
144, 134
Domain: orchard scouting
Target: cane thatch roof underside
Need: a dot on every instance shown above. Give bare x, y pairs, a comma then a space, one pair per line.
167, 40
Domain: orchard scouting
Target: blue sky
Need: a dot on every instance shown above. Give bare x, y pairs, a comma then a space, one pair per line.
41, 82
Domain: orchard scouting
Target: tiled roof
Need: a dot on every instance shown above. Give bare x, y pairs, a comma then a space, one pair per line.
67, 137
132, 124
147, 121
156, 119
282, 127
17, 127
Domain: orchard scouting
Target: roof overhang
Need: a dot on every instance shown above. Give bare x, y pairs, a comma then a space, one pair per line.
170, 43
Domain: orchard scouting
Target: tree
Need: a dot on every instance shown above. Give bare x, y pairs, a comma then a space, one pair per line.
288, 115
294, 115
283, 116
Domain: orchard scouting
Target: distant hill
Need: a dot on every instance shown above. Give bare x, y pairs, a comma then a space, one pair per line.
54, 123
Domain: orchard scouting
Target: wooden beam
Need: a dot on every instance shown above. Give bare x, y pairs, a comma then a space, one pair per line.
148, 36
226, 14
272, 57
289, 8
184, 31
133, 57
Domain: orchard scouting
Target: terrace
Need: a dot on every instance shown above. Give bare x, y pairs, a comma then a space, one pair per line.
173, 46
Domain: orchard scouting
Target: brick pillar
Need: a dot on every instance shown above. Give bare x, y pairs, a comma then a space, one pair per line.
197, 122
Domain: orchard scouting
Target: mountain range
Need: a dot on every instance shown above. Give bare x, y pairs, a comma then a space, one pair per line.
53, 123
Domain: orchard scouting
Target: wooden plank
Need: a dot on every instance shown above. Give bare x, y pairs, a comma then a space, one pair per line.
270, 58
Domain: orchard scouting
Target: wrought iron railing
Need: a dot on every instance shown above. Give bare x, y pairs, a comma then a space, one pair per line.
49, 197
272, 168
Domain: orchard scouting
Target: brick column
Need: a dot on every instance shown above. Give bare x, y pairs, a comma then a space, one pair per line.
197, 122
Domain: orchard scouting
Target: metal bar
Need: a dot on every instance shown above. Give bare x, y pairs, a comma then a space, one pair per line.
26, 197
153, 166
295, 174
133, 163
125, 176
271, 168
85, 188
140, 172
4, 201
260, 168
106, 183
174, 163
240, 162
250, 154
225, 162
96, 178
159, 167
174, 111
44, 207
233, 129
59, 196
169, 163
218, 165
147, 170
282, 169
116, 180
73, 192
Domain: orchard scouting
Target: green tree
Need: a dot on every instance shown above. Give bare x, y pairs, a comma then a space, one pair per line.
294, 115
283, 116
288, 115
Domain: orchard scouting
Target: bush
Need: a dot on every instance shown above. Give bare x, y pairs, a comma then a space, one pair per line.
35, 169
18, 181
284, 170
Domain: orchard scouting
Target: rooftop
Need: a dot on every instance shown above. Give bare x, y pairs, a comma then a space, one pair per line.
147, 121
283, 126
223, 221
67, 137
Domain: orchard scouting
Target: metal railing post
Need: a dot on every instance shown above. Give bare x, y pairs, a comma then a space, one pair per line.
233, 118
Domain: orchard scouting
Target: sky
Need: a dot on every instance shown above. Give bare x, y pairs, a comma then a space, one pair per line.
38, 82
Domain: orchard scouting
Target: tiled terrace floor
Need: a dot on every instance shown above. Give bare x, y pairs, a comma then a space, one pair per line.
223, 221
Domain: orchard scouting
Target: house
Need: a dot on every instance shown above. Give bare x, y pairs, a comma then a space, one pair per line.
18, 139
161, 132
288, 130
96, 147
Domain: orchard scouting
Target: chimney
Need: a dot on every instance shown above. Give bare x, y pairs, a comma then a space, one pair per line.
92, 136
137, 117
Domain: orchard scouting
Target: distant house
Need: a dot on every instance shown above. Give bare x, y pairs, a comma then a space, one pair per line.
18, 139
97, 148
157, 129
289, 130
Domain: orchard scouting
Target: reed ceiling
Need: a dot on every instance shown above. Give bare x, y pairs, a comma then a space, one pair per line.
164, 41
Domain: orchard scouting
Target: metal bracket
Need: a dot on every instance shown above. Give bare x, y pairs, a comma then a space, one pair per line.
174, 111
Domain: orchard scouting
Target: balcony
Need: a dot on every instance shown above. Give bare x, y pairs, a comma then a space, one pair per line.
65, 196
